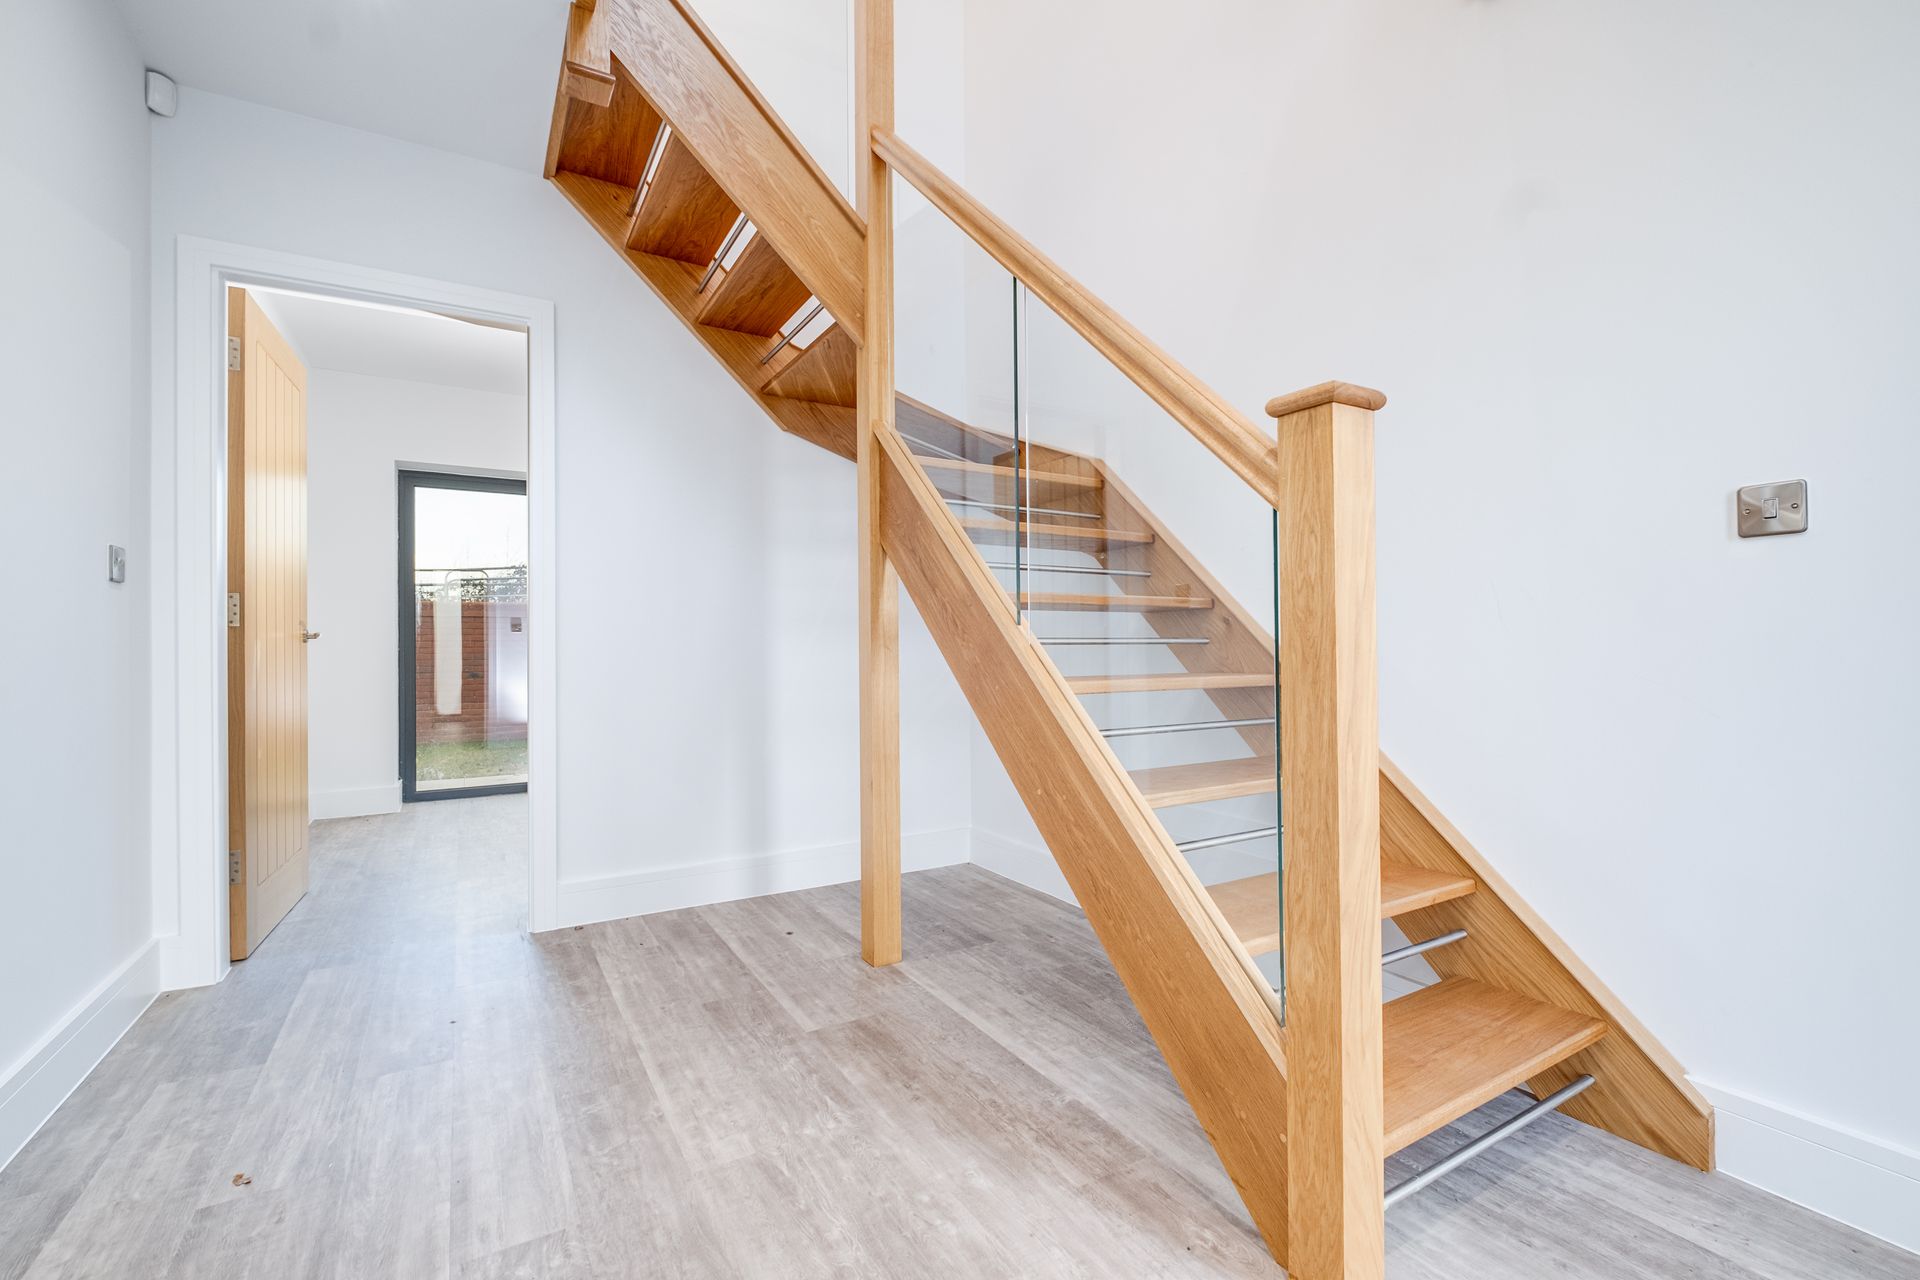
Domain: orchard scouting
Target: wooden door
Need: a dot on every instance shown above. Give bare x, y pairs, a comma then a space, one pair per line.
266, 625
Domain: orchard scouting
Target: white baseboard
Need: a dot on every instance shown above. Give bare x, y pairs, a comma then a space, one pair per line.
34, 1087
354, 802
1028, 864
586, 901
1859, 1180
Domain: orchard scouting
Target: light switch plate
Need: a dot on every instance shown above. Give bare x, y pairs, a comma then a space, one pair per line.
1766, 509
116, 564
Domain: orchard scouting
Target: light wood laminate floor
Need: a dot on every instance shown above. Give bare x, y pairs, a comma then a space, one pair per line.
402, 1083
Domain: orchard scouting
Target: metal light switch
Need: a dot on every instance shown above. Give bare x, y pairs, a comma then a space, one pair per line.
1765, 509
116, 563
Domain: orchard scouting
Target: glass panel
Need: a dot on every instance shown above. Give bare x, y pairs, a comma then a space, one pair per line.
953, 369
1140, 561
1150, 579
470, 639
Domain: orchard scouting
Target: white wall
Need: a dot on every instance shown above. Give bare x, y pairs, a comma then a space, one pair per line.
359, 429
707, 715
73, 690
1608, 262
798, 53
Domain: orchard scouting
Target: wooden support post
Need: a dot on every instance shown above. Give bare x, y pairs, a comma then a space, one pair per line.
1330, 782
879, 584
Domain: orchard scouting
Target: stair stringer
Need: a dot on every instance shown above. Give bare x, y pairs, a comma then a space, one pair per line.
1196, 989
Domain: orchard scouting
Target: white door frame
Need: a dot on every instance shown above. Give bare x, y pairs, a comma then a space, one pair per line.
188, 537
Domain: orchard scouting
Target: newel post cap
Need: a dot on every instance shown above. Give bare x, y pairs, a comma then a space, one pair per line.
1326, 393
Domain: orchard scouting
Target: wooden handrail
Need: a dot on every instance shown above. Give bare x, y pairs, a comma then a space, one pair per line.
1214, 423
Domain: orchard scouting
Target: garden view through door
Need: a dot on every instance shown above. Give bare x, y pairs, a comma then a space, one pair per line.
463, 635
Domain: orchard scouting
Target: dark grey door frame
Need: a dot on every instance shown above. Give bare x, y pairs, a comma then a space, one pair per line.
409, 482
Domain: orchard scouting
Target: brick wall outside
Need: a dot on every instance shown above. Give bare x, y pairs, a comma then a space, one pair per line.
474, 723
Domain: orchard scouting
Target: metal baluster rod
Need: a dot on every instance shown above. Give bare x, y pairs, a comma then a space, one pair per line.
1123, 640
1487, 1141
1070, 568
1189, 726
1209, 842
928, 444
1008, 506
1420, 948
794, 332
739, 225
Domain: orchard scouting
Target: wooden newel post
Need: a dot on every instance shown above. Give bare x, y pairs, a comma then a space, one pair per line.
879, 583
1330, 804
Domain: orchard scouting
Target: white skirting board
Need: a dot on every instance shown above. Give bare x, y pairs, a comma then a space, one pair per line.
1848, 1176
586, 901
34, 1087
354, 802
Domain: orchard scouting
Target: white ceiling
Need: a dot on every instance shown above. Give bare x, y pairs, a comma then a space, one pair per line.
387, 342
472, 76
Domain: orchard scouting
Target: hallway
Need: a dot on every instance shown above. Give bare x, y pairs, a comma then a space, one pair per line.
402, 1083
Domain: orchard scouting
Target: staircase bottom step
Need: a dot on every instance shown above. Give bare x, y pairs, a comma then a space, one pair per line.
1460, 1044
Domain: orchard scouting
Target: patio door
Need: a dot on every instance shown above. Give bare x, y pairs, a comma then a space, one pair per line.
463, 635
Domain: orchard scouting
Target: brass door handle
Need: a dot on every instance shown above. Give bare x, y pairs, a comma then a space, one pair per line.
309, 635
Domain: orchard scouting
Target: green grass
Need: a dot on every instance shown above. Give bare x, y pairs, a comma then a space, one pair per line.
446, 761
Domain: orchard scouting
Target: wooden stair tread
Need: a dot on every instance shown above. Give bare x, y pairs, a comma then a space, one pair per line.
1061, 479
1460, 1044
1093, 603
987, 529
1251, 905
1208, 780
825, 372
1172, 680
686, 215
756, 295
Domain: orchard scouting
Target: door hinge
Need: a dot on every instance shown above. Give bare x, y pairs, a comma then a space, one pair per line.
233, 608
233, 866
233, 355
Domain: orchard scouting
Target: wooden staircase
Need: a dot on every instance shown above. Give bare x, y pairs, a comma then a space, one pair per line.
630, 159
667, 150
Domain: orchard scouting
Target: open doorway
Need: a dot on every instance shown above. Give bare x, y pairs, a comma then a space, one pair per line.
383, 403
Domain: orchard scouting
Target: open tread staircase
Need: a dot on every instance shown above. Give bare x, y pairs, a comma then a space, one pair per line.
675, 159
